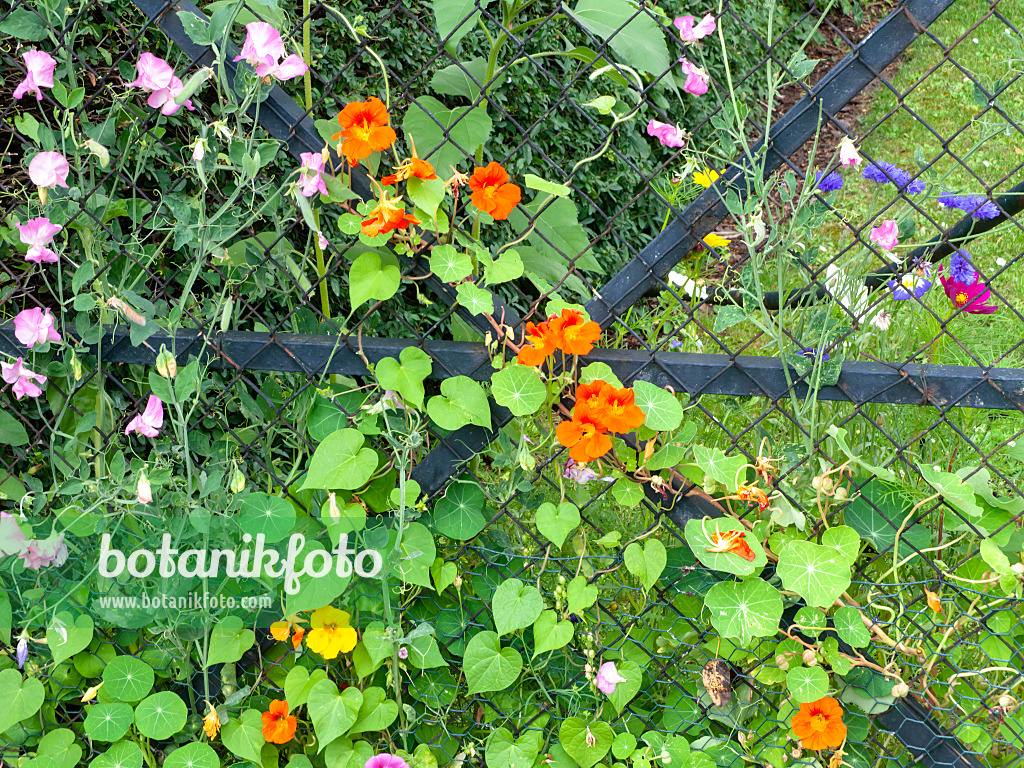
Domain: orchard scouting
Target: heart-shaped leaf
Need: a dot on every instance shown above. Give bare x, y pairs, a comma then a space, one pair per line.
78, 633
624, 692
372, 276
549, 633
574, 735
229, 640
502, 751
22, 698
515, 605
557, 522
488, 666
462, 401
376, 713
341, 461
299, 683
57, 749
579, 595
850, 627
646, 561
244, 736
161, 715
406, 374
333, 713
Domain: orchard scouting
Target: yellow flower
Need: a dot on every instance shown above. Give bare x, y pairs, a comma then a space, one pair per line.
705, 179
330, 633
211, 723
91, 693
714, 241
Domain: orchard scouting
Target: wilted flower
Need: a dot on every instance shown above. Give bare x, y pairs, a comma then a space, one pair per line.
848, 154
35, 326
166, 365
211, 722
608, 677
148, 422
882, 320
37, 234
690, 286
669, 135
591, 739
51, 551
26, 383
22, 653
403, 653
39, 67
321, 241
696, 78
690, 33
581, 473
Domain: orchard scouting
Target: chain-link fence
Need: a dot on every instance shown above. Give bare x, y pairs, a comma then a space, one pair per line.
850, 330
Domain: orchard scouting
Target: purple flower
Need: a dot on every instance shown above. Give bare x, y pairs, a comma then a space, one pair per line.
22, 653
581, 473
829, 183
812, 352
960, 268
978, 206
915, 283
883, 173
403, 653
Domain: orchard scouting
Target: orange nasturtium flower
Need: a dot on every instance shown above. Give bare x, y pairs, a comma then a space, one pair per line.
819, 725
621, 413
386, 217
492, 192
539, 342
585, 437
211, 723
281, 630
577, 335
278, 725
730, 541
753, 493
365, 129
933, 600
592, 399
330, 633
411, 166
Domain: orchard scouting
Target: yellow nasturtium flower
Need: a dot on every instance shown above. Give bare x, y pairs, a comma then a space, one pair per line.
330, 633
715, 241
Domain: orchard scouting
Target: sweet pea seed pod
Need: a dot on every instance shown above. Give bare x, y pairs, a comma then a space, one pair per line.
97, 149
192, 84
225, 315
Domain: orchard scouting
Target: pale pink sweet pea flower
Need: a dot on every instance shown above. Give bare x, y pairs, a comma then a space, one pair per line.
35, 326
263, 49
156, 76
292, 66
848, 154
148, 422
24, 380
164, 99
669, 135
311, 181
48, 170
322, 241
608, 677
199, 150
696, 78
886, 235
40, 66
692, 34
37, 234
143, 489
50, 551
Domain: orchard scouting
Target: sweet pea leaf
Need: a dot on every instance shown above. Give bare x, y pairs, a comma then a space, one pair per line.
373, 276
663, 411
518, 388
573, 734
646, 561
807, 684
817, 573
462, 401
557, 522
405, 377
550, 634
839, 435
488, 666
742, 610
11, 430
340, 462
515, 605
161, 715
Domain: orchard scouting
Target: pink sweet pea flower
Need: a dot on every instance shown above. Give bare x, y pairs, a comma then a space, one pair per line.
669, 135
311, 181
51, 551
886, 235
692, 34
48, 170
143, 489
35, 326
156, 76
696, 78
608, 677
263, 49
22, 378
40, 66
37, 234
848, 154
148, 422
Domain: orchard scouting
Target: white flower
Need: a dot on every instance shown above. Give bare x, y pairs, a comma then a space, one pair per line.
690, 286
882, 320
1000, 261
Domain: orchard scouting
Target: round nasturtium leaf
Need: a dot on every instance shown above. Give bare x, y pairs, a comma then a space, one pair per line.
662, 410
518, 388
742, 610
700, 534
123, 754
817, 573
807, 684
459, 515
108, 722
127, 678
161, 715
271, 516
194, 755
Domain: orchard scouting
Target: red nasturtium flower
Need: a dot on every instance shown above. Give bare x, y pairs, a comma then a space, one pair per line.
365, 129
585, 437
539, 342
387, 216
753, 493
492, 192
819, 725
621, 413
730, 541
577, 334
278, 725
411, 166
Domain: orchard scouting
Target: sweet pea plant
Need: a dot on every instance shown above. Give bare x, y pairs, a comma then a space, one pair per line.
539, 611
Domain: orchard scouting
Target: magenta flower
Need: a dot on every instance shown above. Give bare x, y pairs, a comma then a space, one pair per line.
696, 78
886, 235
156, 76
848, 154
607, 678
311, 180
51, 551
263, 49
692, 34
148, 422
669, 135
24, 380
35, 326
48, 170
37, 234
386, 760
39, 66
970, 297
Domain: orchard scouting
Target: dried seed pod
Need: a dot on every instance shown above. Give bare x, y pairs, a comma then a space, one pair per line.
717, 679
